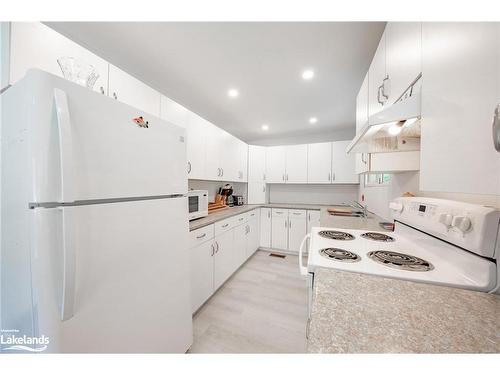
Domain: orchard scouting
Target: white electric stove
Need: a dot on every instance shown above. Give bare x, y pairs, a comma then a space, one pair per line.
435, 241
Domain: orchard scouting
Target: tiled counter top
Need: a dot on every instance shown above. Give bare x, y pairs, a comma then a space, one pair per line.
357, 313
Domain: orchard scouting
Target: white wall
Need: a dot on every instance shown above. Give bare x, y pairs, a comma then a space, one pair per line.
377, 198
312, 194
239, 188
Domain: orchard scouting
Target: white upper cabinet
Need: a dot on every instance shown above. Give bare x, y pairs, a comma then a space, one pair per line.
296, 164
173, 112
460, 69
214, 151
377, 79
256, 163
131, 91
34, 45
343, 164
276, 164
196, 131
243, 161
319, 163
403, 44
362, 105
256, 192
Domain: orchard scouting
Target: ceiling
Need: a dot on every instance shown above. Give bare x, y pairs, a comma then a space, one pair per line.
196, 64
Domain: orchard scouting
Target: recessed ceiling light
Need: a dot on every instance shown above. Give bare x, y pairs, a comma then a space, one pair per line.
308, 74
313, 120
233, 93
265, 127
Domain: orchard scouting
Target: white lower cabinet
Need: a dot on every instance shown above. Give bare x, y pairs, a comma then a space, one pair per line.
218, 250
253, 237
202, 273
265, 227
279, 227
288, 228
297, 229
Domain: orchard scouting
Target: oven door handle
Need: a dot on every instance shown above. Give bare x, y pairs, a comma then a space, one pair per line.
303, 270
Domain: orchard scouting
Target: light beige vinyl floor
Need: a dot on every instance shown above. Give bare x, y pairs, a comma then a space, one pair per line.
262, 308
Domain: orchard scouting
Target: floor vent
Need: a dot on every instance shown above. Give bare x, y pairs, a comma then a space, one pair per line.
277, 255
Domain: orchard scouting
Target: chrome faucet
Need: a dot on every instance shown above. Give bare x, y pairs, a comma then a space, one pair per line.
359, 206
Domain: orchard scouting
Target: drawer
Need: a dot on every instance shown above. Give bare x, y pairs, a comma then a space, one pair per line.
253, 214
297, 213
281, 212
201, 235
225, 225
241, 219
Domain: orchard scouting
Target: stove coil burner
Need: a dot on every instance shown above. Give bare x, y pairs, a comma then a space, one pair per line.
400, 261
340, 255
336, 235
378, 237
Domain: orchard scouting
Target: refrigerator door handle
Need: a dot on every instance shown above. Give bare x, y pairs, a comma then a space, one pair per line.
69, 264
65, 146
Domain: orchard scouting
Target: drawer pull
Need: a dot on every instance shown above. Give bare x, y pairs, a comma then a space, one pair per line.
241, 218
225, 225
201, 235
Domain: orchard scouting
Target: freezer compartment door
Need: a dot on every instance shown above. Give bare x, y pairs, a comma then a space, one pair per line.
88, 146
113, 278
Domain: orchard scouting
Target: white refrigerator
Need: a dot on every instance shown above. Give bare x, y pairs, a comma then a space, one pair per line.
94, 224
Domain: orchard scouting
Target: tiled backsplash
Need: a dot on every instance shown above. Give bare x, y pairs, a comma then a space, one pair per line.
312, 194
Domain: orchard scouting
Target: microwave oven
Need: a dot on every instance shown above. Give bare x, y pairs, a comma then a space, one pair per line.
197, 203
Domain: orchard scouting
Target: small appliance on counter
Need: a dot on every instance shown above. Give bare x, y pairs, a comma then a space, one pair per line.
226, 192
198, 203
238, 200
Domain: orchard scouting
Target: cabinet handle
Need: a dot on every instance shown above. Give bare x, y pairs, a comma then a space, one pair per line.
269, 214
241, 218
309, 217
213, 250
496, 128
264, 188
333, 176
287, 176
285, 223
218, 172
329, 176
283, 177
201, 235
189, 167
380, 101
222, 169
264, 176
115, 96
225, 225
216, 251
102, 90
384, 94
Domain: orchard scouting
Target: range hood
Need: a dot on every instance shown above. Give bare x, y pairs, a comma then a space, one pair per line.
396, 128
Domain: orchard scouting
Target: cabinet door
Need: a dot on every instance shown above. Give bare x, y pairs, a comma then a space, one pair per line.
343, 164
279, 226
362, 105
224, 257
376, 78
297, 228
253, 235
313, 219
296, 164
460, 66
34, 45
196, 135
240, 245
229, 156
265, 227
256, 163
243, 164
256, 193
276, 164
362, 163
319, 163
202, 273
173, 112
131, 91
403, 43
214, 147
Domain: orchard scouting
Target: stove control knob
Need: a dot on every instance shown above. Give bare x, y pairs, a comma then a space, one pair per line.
462, 223
446, 219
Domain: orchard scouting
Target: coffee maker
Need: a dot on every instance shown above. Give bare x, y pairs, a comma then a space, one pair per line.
227, 192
